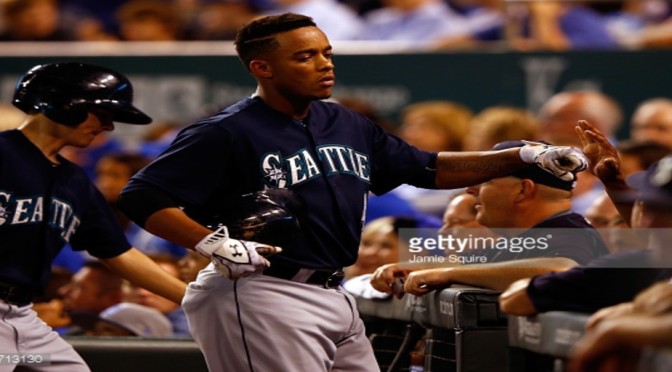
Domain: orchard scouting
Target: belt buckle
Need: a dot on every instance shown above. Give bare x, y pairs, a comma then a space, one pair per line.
334, 280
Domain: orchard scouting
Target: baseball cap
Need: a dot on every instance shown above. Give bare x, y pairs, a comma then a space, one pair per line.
139, 320
533, 171
654, 185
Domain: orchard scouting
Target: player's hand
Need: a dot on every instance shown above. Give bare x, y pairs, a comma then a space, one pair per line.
235, 258
421, 282
390, 279
562, 161
602, 156
607, 313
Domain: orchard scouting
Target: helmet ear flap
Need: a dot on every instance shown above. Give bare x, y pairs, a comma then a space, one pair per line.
67, 114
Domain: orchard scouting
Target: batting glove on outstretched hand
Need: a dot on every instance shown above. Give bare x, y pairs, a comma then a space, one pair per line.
235, 258
562, 161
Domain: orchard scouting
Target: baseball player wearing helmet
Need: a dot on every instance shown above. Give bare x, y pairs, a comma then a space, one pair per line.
293, 315
47, 201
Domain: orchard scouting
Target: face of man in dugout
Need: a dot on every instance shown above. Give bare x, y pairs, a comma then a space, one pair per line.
495, 200
301, 67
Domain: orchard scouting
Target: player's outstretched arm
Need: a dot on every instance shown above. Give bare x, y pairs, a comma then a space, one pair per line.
461, 169
495, 275
142, 271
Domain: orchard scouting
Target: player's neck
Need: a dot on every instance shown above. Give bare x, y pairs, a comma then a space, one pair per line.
295, 109
44, 140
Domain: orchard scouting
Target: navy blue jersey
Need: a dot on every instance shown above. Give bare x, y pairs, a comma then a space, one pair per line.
32, 230
578, 240
605, 281
332, 159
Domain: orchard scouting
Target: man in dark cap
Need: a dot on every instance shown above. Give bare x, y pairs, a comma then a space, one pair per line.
529, 206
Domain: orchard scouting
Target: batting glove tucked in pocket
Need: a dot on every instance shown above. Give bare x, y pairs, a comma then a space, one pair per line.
235, 258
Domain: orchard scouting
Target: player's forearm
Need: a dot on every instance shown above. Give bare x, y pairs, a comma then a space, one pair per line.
140, 270
461, 169
500, 275
174, 225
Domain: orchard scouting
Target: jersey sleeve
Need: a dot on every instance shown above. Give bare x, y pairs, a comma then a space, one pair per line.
99, 233
583, 288
192, 167
395, 162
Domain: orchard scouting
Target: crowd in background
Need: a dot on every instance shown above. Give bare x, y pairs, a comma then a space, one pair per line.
436, 125
84, 298
433, 24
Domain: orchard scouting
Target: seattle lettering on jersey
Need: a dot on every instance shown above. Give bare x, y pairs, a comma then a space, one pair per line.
31, 210
281, 172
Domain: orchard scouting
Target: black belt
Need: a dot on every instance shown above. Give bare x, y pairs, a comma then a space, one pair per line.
15, 295
325, 278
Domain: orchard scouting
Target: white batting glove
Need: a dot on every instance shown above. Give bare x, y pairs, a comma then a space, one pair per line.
562, 161
235, 258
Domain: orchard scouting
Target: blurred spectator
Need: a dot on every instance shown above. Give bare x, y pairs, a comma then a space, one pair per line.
149, 20
485, 21
613, 228
168, 308
157, 138
460, 213
636, 23
88, 157
558, 118
337, 20
113, 171
652, 121
92, 289
101, 11
125, 319
10, 117
432, 126
637, 156
498, 124
220, 20
49, 306
368, 110
558, 25
379, 244
435, 125
417, 21
559, 115
32, 20
190, 265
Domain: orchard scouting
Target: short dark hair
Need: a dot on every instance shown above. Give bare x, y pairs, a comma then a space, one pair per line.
258, 36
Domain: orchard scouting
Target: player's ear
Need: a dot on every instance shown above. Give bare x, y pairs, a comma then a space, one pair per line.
527, 191
261, 68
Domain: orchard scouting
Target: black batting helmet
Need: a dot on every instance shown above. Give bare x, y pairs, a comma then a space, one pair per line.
272, 216
65, 92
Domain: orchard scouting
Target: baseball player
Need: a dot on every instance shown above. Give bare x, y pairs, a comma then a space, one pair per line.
47, 201
293, 315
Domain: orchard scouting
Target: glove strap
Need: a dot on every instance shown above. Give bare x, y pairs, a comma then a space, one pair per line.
529, 152
213, 241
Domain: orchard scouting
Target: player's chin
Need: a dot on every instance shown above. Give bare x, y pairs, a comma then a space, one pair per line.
323, 93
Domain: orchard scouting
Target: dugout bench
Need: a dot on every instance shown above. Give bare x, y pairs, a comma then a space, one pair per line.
462, 327
135, 354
